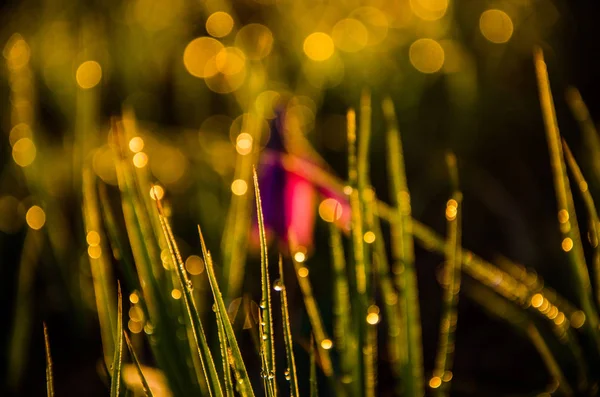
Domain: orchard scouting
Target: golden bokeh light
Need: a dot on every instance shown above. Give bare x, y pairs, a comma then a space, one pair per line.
326, 344
134, 298
373, 318
429, 10
239, 187
350, 35
229, 61
318, 46
375, 21
135, 327
24, 152
253, 125
537, 300
451, 209
19, 131
325, 74
219, 24
88, 74
93, 238
563, 216
426, 55
244, 143
300, 257
303, 271
16, 52
255, 40
567, 244
330, 210
222, 83
94, 251
448, 375
176, 294
140, 160
198, 54
369, 237
496, 26
194, 265
435, 382
157, 192
35, 217
136, 144
577, 319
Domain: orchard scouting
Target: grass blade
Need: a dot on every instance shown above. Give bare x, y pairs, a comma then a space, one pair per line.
265, 303
241, 374
208, 364
314, 387
290, 372
443, 362
134, 358
224, 355
403, 253
115, 384
49, 376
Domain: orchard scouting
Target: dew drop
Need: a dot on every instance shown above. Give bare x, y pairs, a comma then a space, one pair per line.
287, 374
277, 285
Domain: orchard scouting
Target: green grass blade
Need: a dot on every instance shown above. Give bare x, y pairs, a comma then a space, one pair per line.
314, 386
244, 387
224, 355
115, 384
403, 252
290, 372
265, 303
566, 210
134, 358
443, 362
208, 364
49, 376
593, 221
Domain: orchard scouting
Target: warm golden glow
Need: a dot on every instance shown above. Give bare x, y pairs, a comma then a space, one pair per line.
255, 40
303, 272
198, 55
577, 319
93, 238
135, 327
94, 251
35, 217
318, 46
136, 144
350, 35
375, 21
140, 160
19, 131
567, 244
537, 300
134, 298
560, 319
157, 192
229, 61
447, 376
176, 294
239, 187
17, 52
300, 257
88, 74
496, 26
24, 152
326, 344
194, 265
330, 210
429, 10
369, 237
426, 55
243, 143
435, 382
563, 216
219, 24
451, 209
373, 318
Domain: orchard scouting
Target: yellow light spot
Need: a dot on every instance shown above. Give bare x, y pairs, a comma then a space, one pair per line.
372, 318
563, 216
545, 306
447, 376
303, 272
140, 160
583, 186
136, 314
219, 24
426, 55
244, 143
94, 251
369, 237
239, 187
560, 319
350, 35
35, 217
19, 131
537, 300
229, 61
88, 74
16, 52
136, 144
429, 10
318, 46
255, 40
194, 265
157, 192
197, 55
375, 21
176, 294
134, 298
496, 26
93, 238
451, 210
347, 190
577, 319
135, 327
435, 382
326, 344
330, 210
24, 152
300, 257
553, 313
567, 244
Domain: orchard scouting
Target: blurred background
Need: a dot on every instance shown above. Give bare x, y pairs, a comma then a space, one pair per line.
461, 76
